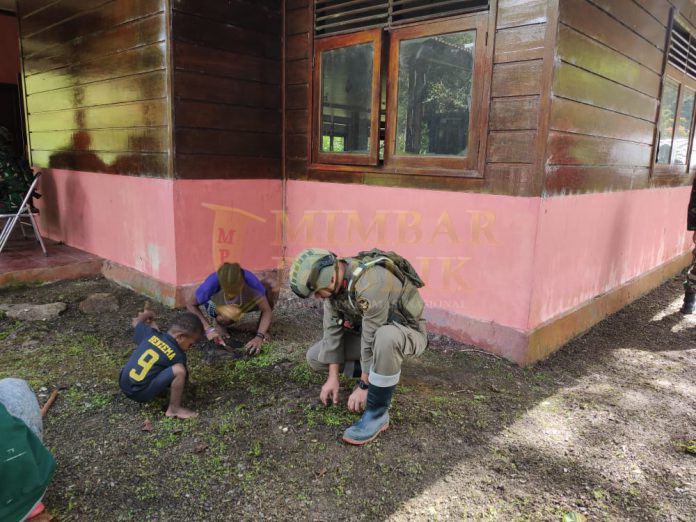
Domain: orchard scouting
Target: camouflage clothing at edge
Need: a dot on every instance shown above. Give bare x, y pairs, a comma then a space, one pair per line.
15, 176
690, 279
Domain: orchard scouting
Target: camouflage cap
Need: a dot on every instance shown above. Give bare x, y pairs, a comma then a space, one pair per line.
311, 270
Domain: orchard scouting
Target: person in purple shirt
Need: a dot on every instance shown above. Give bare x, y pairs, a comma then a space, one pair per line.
227, 294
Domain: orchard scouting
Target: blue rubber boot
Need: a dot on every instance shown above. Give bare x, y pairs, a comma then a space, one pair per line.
374, 420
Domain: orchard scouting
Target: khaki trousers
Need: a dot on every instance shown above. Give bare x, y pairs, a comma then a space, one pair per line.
393, 342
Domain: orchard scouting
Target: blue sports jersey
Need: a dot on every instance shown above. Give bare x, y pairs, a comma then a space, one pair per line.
155, 351
211, 286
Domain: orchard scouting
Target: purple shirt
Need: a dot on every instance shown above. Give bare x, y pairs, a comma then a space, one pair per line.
211, 286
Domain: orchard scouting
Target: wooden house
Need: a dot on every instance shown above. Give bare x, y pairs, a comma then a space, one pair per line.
532, 158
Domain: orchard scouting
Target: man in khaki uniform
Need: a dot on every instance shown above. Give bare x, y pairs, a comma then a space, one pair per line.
372, 320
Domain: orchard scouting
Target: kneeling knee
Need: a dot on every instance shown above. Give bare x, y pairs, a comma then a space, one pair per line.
386, 337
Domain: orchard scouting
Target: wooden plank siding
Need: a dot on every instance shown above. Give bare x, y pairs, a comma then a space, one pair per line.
226, 68
574, 91
605, 94
516, 90
95, 78
298, 35
517, 32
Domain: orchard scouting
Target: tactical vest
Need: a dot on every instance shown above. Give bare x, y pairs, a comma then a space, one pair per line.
408, 309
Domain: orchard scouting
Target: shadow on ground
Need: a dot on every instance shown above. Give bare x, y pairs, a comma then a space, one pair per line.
599, 429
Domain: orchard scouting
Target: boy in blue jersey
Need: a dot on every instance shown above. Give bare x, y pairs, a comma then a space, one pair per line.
229, 293
159, 361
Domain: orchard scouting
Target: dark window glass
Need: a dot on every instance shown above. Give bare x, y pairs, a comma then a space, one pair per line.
668, 108
346, 99
434, 94
681, 137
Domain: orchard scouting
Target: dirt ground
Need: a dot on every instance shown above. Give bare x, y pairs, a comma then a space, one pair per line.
599, 430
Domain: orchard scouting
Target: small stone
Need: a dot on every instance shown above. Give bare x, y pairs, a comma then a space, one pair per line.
32, 312
99, 303
285, 430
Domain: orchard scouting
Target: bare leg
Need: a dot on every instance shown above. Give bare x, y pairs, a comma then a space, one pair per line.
177, 391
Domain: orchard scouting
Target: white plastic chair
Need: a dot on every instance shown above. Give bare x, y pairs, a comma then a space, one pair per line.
24, 212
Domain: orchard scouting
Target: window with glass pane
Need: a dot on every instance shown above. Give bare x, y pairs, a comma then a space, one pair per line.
346, 99
434, 94
668, 109
680, 145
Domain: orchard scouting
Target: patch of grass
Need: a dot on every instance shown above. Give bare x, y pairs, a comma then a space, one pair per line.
267, 357
599, 494
145, 490
100, 401
440, 400
333, 416
573, 516
9, 329
256, 449
687, 446
304, 375
248, 479
85, 358
171, 425
226, 423
14, 285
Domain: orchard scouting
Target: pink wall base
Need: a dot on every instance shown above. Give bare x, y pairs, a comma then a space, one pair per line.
508, 274
475, 251
125, 219
590, 244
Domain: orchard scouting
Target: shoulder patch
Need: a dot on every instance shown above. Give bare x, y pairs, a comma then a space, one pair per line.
363, 304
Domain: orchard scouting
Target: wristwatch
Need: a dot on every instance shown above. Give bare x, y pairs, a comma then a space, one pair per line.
363, 385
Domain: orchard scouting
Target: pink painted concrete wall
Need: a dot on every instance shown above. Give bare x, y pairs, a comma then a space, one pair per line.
173, 231
9, 49
218, 220
496, 267
538, 258
474, 250
124, 219
590, 244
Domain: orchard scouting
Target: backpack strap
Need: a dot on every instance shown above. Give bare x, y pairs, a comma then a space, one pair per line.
362, 267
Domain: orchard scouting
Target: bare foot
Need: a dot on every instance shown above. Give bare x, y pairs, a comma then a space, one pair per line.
181, 413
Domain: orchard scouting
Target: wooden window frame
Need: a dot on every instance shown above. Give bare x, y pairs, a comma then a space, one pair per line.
466, 165
471, 166
664, 169
329, 43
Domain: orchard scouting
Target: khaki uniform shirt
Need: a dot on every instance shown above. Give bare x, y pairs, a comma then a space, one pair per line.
376, 289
